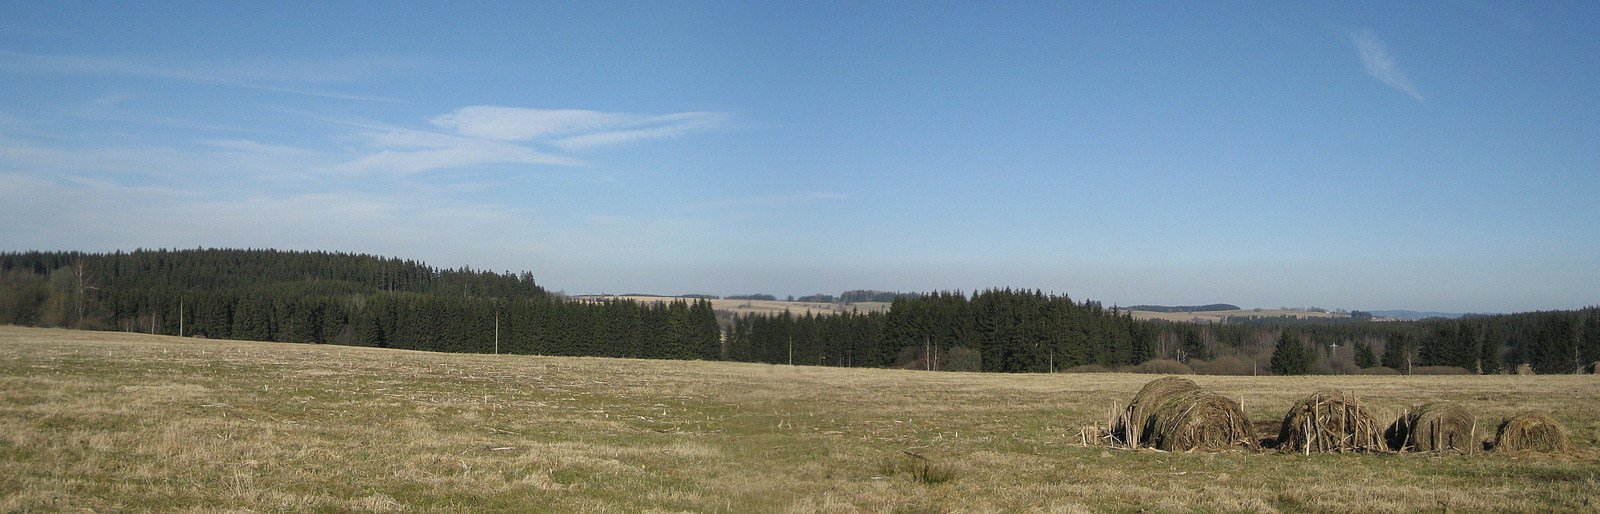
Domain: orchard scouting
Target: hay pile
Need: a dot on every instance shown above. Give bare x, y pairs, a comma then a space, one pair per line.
1329, 421
1435, 426
1175, 414
1131, 424
1199, 420
1532, 431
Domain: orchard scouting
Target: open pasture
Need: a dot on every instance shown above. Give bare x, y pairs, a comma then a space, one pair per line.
113, 421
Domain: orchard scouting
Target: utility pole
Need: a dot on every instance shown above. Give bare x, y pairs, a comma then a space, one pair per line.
78, 271
180, 317
791, 350
497, 331
927, 355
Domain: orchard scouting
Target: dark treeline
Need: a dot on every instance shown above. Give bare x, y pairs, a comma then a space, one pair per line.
321, 297
1549, 342
867, 295
1022, 331
753, 296
994, 330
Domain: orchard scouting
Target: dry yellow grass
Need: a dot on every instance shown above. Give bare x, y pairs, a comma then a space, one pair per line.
110, 421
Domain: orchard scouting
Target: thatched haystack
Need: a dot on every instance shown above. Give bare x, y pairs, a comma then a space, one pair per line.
1175, 414
1435, 426
1329, 421
1199, 420
1532, 431
1131, 424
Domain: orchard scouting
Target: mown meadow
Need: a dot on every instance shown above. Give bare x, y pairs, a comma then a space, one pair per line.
111, 421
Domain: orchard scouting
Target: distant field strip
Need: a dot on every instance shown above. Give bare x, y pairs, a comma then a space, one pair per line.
128, 422
761, 306
1219, 316
822, 309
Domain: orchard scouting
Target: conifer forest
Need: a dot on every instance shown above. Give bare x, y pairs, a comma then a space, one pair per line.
363, 300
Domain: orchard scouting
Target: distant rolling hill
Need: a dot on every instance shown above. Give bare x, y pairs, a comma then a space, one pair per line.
1219, 316
1413, 315
739, 306
1185, 308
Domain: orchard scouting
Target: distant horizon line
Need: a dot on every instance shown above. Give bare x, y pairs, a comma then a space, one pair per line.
1438, 313
1312, 308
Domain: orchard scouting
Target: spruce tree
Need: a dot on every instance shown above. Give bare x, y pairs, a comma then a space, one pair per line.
1397, 352
1365, 358
1468, 347
372, 332
1436, 346
1589, 339
1489, 356
1194, 346
1553, 348
1291, 356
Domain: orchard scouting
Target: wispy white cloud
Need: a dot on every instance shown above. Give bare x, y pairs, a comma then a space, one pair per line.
768, 201
283, 76
246, 145
658, 127
407, 152
483, 136
205, 162
521, 124
608, 219
491, 134
22, 156
52, 214
1377, 61
417, 161
573, 129
112, 111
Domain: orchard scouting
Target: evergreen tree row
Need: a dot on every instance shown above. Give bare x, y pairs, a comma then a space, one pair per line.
994, 330
1549, 342
337, 298
315, 297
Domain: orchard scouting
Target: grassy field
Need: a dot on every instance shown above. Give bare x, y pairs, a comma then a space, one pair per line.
111, 421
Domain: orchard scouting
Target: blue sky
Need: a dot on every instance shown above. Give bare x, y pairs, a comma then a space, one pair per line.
1365, 156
